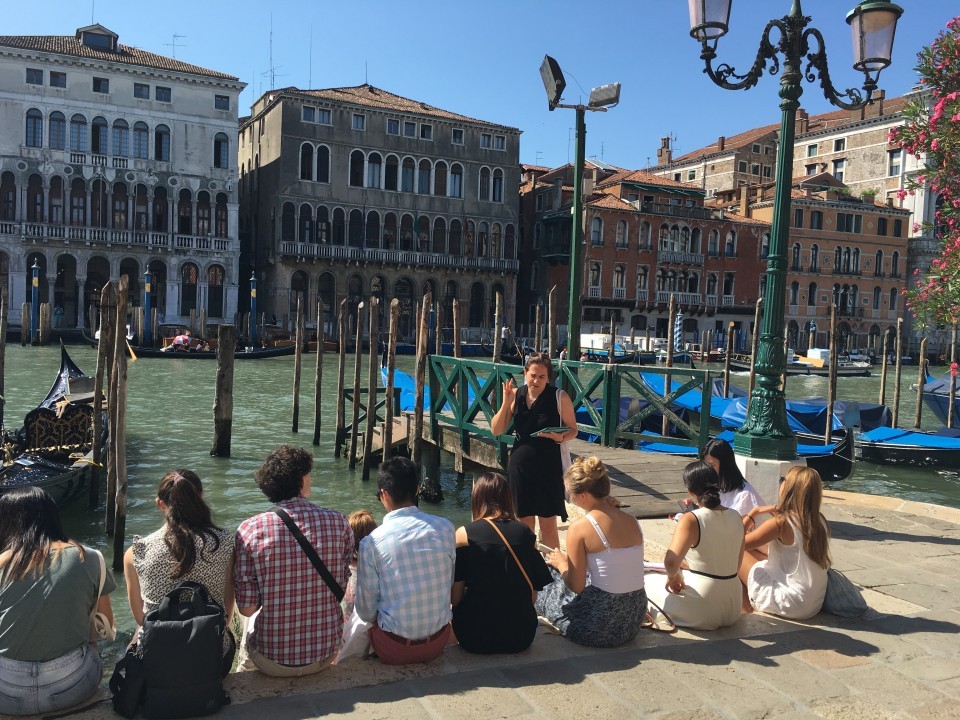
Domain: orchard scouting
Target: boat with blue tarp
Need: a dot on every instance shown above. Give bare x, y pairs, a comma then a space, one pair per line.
891, 446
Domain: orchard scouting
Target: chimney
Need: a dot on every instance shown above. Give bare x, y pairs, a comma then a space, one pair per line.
745, 200
664, 153
875, 108
803, 121
721, 143
589, 180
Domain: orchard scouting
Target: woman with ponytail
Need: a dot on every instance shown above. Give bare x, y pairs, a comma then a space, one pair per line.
702, 589
188, 547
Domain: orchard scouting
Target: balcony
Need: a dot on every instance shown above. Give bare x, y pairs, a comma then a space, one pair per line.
683, 298
619, 293
697, 213
36, 233
849, 272
396, 257
711, 301
728, 301
850, 312
594, 291
641, 296
680, 258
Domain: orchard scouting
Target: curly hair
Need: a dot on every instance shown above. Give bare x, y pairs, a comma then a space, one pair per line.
281, 475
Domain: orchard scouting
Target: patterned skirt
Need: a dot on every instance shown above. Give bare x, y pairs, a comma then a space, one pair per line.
595, 617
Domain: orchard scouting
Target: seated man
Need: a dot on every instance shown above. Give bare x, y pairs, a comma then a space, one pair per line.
300, 623
405, 572
182, 341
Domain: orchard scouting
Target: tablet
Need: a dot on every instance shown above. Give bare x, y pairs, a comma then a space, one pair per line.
559, 429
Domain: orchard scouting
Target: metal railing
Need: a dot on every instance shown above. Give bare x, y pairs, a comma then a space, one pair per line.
404, 257
682, 258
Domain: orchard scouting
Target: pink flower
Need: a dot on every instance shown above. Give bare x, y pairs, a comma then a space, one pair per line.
953, 369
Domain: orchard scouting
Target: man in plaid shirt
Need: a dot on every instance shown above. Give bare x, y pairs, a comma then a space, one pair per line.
300, 623
405, 572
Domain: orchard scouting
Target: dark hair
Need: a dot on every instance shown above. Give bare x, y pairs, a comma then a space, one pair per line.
187, 515
587, 475
281, 475
398, 476
539, 358
29, 522
731, 478
492, 498
701, 479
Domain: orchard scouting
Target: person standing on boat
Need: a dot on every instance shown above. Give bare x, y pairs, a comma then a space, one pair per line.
535, 469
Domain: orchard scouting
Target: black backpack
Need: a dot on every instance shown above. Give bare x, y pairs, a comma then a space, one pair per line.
175, 670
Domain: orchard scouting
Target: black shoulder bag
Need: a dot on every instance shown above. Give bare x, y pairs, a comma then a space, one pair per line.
311, 553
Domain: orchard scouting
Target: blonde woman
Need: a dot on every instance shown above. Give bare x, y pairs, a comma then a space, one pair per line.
784, 568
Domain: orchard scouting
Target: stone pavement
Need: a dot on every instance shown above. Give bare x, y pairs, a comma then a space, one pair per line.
901, 661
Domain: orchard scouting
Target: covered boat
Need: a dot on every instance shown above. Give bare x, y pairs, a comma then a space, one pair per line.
890, 446
936, 394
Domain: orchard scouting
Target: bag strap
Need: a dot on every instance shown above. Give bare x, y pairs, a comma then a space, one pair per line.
103, 580
311, 553
533, 592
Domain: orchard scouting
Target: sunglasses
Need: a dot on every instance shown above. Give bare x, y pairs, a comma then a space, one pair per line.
378, 495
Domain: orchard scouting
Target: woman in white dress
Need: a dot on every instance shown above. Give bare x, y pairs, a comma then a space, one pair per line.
784, 570
702, 590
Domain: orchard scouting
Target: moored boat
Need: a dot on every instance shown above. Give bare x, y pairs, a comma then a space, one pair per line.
891, 446
169, 353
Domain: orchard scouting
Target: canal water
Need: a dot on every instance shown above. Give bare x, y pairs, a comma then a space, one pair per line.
169, 425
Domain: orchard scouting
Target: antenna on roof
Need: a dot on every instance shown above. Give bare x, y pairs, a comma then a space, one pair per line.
310, 63
93, 11
365, 76
173, 45
272, 72
537, 157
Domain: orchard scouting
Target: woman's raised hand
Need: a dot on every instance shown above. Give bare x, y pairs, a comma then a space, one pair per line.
509, 391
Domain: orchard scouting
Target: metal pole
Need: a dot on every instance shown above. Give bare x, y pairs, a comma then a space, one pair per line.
34, 301
253, 309
576, 240
147, 338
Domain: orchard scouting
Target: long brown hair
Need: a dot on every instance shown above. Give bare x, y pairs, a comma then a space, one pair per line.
491, 498
800, 499
187, 516
29, 525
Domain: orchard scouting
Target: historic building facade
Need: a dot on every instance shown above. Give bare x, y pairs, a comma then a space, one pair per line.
115, 160
353, 192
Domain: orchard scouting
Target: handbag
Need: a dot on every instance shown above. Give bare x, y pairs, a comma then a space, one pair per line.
127, 682
843, 598
533, 592
101, 628
565, 460
312, 554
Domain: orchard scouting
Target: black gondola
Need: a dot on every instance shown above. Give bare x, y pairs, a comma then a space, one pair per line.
509, 352
252, 354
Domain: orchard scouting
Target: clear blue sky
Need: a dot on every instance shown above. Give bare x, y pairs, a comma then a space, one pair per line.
482, 59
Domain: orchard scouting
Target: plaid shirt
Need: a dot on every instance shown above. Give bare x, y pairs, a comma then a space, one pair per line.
300, 619
404, 573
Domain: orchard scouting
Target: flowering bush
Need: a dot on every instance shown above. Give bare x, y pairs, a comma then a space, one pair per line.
934, 134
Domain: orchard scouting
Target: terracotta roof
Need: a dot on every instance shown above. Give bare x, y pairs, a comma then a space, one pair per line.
731, 143
647, 178
840, 118
369, 96
610, 202
734, 217
71, 45
526, 167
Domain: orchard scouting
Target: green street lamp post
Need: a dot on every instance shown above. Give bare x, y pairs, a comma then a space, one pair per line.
765, 433
601, 98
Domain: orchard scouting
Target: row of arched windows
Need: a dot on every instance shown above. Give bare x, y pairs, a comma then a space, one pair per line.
118, 139
844, 296
672, 238
392, 232
846, 259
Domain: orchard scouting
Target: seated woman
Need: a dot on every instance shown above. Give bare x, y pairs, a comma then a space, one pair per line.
48, 587
735, 492
706, 594
362, 523
606, 608
784, 568
188, 547
495, 583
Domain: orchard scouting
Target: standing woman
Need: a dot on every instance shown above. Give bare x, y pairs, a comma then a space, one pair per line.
784, 568
188, 547
535, 470
498, 574
735, 492
48, 588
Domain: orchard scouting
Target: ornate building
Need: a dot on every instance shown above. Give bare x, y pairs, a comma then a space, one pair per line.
351, 192
114, 160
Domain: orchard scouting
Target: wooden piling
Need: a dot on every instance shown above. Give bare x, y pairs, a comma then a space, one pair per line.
3, 347
93, 318
552, 323
786, 350
297, 363
43, 326
646, 341
726, 361
831, 374
341, 370
118, 431
613, 339
497, 328
118, 320
951, 396
318, 375
438, 328
898, 368
355, 415
223, 400
25, 328
671, 323
430, 483
202, 330
921, 382
754, 345
538, 328
155, 338
391, 364
193, 322
883, 368
101, 382
457, 350
372, 384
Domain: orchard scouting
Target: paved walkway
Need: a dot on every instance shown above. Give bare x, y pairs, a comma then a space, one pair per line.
901, 661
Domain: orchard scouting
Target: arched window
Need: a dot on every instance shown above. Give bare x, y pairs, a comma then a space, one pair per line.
509, 244
895, 265
664, 238
221, 151
188, 288
644, 235
484, 185
453, 247
221, 225
215, 291
483, 248
99, 212
78, 202
846, 260
98, 136
534, 275
390, 232
796, 257
121, 206
78, 133
35, 199
408, 172
878, 266
594, 275
323, 164
423, 234
456, 180
288, 223
537, 232
794, 292
374, 165
856, 260
498, 185
305, 234
730, 247
764, 246
161, 143
619, 276
58, 131
713, 243
306, 161
121, 138
440, 179
685, 239
423, 177
355, 228
323, 225
712, 284
356, 169
893, 299
8, 197
621, 233
406, 233
141, 141
160, 210
695, 240
596, 232
55, 212
34, 128
496, 237
877, 291
439, 236
675, 238
372, 231
838, 259
812, 294
815, 258
392, 173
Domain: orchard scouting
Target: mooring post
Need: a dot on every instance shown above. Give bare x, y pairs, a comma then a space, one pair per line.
831, 374
108, 306
297, 360
883, 368
457, 350
391, 360
671, 324
341, 372
3, 347
613, 340
726, 361
318, 375
372, 384
119, 429
223, 400
552, 323
951, 396
897, 371
119, 349
429, 484
193, 322
498, 329
357, 357
754, 344
921, 382
538, 329
786, 347
25, 315
438, 327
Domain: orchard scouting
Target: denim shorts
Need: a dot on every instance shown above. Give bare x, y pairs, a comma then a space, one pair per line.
28, 688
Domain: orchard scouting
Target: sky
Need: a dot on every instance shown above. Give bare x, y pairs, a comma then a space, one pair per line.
482, 59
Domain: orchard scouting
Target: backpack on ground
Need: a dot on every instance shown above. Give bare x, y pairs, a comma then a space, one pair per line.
178, 660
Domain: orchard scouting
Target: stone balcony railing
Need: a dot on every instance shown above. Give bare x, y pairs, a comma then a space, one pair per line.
398, 257
684, 298
680, 258
36, 233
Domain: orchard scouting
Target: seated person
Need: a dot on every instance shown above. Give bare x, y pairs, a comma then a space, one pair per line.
362, 523
706, 594
182, 341
493, 595
405, 572
606, 607
735, 492
300, 623
784, 568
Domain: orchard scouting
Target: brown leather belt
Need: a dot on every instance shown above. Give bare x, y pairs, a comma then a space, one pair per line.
403, 641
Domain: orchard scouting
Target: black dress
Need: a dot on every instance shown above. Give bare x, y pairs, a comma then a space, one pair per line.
496, 614
535, 472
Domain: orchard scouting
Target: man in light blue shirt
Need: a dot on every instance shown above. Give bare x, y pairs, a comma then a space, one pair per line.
405, 572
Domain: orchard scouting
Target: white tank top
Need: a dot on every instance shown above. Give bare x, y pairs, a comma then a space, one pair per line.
616, 570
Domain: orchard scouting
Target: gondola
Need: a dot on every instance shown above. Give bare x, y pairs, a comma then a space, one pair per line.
936, 394
890, 446
795, 366
53, 450
244, 354
599, 355
509, 352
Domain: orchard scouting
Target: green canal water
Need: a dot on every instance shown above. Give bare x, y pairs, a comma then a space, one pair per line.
170, 425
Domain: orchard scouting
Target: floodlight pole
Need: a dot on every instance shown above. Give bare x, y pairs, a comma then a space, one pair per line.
576, 239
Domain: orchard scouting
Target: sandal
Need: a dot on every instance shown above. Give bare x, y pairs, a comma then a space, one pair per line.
664, 624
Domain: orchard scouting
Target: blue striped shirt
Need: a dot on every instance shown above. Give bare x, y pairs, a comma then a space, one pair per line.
404, 573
